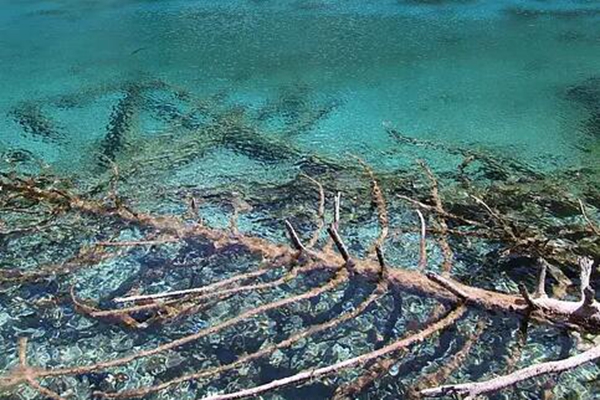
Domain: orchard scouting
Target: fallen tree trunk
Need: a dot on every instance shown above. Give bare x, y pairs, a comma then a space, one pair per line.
443, 289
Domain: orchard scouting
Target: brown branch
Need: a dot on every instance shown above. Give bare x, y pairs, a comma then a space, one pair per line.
585, 313
294, 237
86, 257
317, 373
374, 372
320, 213
123, 317
379, 200
449, 366
439, 207
336, 209
411, 281
592, 226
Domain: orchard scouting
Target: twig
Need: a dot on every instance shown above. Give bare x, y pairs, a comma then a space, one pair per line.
320, 214
339, 243
336, 220
527, 297
592, 226
336, 210
198, 290
501, 220
382, 264
294, 237
29, 374
380, 204
138, 243
353, 389
448, 366
540, 290
445, 214
204, 297
422, 243
439, 207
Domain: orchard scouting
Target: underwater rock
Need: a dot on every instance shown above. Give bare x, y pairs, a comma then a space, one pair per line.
277, 358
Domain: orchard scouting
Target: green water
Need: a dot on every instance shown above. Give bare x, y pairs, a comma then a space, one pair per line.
231, 99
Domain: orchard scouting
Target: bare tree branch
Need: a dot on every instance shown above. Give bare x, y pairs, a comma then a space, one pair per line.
422, 243
320, 213
471, 390
352, 362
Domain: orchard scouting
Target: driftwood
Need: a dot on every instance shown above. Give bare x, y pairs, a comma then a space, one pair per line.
472, 390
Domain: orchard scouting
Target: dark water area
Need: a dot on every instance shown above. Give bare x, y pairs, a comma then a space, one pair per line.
216, 111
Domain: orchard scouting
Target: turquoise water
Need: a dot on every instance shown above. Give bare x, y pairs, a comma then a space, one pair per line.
493, 74
227, 101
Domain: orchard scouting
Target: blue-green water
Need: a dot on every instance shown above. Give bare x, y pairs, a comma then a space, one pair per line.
148, 86
489, 73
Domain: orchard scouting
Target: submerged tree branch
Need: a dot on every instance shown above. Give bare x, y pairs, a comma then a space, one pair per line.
352, 362
472, 390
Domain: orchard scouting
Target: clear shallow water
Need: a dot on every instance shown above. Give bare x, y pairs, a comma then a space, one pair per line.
489, 73
324, 77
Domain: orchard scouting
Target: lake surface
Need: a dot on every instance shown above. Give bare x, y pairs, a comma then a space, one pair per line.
228, 101
495, 74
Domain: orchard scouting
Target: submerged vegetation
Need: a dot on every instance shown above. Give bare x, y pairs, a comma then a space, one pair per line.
122, 282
